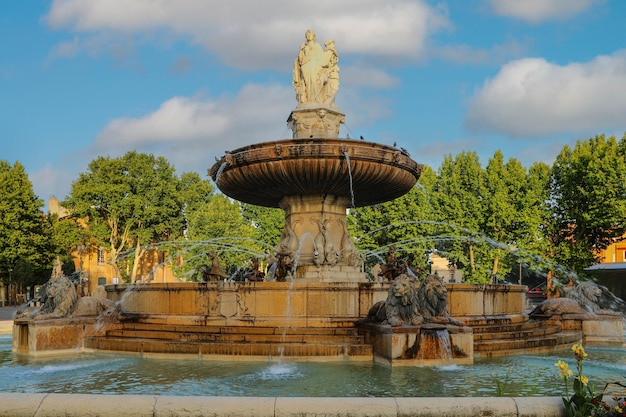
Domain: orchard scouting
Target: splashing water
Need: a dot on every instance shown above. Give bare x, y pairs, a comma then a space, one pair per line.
350, 175
220, 170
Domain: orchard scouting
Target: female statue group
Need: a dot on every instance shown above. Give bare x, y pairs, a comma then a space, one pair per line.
316, 73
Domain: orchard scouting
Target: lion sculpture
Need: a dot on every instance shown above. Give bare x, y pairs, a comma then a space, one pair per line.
407, 304
401, 306
586, 297
61, 301
432, 297
598, 298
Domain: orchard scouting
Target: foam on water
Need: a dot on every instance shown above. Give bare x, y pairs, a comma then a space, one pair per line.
280, 370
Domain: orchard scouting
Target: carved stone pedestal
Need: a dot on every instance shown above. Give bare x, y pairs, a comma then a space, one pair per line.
315, 122
406, 345
317, 236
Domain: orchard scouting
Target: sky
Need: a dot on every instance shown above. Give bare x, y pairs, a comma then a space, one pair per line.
191, 79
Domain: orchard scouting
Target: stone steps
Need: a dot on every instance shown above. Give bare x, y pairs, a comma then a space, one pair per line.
507, 337
527, 345
231, 348
340, 331
519, 331
265, 342
250, 337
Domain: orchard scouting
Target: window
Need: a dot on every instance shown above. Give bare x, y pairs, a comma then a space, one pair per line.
101, 256
102, 281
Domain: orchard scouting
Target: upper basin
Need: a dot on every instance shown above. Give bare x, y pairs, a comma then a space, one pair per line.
366, 173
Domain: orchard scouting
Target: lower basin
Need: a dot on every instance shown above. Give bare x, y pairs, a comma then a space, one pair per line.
97, 373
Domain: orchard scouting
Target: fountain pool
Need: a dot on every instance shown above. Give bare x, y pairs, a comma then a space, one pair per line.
98, 373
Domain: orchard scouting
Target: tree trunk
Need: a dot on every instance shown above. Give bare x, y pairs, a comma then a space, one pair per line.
138, 253
494, 271
471, 257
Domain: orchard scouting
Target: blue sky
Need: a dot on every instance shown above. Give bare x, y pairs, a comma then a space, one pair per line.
191, 79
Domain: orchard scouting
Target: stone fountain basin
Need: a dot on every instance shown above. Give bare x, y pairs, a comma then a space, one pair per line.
365, 173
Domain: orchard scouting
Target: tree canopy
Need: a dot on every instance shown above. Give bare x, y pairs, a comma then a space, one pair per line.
588, 194
128, 203
26, 246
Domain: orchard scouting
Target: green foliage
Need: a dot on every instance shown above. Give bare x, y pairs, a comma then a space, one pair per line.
128, 203
402, 222
217, 225
461, 197
588, 191
26, 246
584, 401
485, 221
268, 223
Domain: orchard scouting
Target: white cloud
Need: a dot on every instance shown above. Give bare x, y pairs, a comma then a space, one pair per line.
532, 97
255, 34
190, 131
52, 181
535, 11
66, 49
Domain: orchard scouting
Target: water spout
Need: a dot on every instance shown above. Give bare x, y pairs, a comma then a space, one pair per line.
345, 153
296, 257
434, 344
220, 170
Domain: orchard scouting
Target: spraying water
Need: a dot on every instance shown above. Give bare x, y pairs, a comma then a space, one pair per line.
350, 175
219, 171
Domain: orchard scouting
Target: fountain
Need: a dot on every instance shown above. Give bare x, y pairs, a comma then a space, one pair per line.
318, 304
315, 300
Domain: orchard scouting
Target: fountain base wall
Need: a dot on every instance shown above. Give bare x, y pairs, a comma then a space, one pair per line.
301, 320
57, 336
421, 345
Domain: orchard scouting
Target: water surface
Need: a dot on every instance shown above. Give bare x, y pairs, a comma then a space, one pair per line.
99, 373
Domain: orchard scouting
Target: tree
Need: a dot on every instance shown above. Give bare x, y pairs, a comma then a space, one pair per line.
26, 248
128, 203
268, 222
405, 222
195, 193
217, 225
588, 192
460, 198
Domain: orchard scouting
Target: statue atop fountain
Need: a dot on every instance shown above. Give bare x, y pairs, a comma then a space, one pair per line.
316, 73
316, 176
316, 81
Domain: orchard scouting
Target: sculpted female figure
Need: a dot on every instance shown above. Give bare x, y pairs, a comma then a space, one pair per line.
330, 74
306, 70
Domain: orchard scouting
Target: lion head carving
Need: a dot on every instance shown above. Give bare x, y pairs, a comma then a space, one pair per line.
59, 299
432, 297
400, 307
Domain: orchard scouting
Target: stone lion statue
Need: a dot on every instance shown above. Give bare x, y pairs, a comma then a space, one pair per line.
407, 304
586, 297
597, 298
432, 297
400, 307
556, 307
60, 300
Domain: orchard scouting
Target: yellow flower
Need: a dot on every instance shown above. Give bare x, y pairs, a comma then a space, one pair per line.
579, 352
619, 409
563, 367
584, 380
